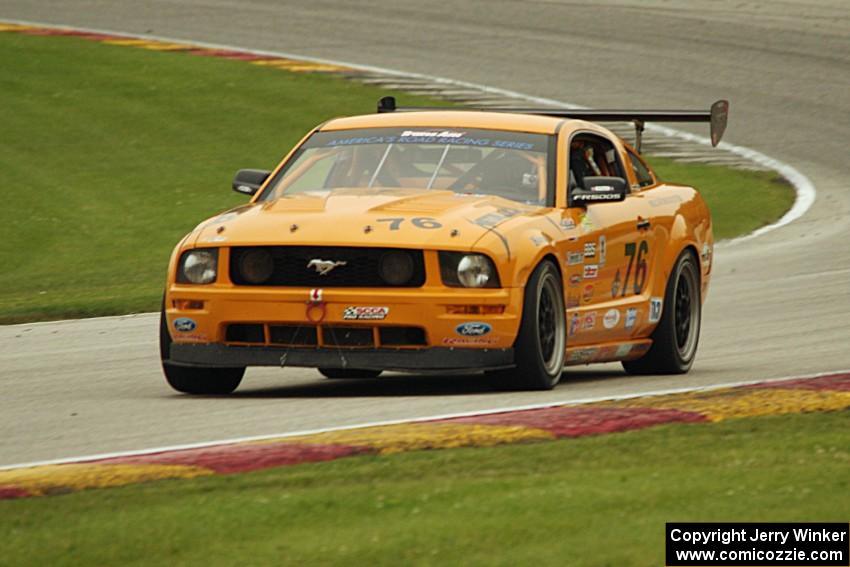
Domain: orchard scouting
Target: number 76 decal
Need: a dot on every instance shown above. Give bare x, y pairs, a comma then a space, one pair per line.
642, 250
418, 222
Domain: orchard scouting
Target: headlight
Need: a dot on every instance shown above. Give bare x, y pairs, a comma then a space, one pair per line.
468, 270
396, 268
474, 271
198, 266
256, 266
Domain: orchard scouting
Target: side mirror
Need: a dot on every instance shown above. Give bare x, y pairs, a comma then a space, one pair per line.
249, 181
599, 190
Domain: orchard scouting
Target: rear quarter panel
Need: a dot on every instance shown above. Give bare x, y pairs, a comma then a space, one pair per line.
680, 220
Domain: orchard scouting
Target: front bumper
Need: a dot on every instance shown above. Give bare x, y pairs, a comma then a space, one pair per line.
426, 308
443, 359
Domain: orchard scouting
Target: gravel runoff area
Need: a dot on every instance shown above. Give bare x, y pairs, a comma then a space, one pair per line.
816, 394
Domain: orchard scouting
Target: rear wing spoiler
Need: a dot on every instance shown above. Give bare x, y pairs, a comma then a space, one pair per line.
716, 116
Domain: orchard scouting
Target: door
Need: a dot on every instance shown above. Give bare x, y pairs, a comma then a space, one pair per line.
607, 264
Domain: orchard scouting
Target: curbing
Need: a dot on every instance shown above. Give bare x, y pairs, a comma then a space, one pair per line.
820, 393
554, 420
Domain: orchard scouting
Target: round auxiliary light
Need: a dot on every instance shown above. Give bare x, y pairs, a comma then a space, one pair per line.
256, 266
474, 270
396, 268
199, 266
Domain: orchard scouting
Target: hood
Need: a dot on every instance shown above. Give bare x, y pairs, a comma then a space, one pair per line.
405, 218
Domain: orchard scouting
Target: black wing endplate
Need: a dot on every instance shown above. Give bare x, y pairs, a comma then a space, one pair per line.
716, 116
719, 115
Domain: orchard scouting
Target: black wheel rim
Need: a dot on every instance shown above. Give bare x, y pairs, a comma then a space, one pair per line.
686, 312
683, 312
546, 319
551, 324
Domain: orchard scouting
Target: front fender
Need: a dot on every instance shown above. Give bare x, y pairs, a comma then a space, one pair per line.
517, 252
171, 274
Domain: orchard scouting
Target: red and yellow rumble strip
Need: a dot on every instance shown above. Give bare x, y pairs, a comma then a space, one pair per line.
294, 65
819, 394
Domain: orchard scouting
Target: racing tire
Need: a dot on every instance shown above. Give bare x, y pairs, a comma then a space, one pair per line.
675, 339
540, 346
342, 373
191, 380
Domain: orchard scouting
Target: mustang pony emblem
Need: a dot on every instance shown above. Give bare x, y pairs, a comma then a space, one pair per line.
324, 266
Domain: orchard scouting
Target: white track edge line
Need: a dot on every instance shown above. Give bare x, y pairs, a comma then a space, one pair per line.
83, 320
803, 187
284, 436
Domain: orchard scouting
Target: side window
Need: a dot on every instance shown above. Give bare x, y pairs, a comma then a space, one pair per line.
592, 155
642, 174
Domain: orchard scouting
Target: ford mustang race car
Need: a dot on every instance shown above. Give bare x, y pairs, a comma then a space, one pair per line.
515, 242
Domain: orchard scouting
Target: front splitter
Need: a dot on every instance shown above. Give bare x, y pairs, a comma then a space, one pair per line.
439, 358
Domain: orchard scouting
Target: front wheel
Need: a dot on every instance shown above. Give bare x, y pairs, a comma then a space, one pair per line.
674, 340
190, 380
541, 342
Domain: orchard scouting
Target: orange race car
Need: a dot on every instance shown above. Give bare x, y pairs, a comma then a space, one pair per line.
515, 242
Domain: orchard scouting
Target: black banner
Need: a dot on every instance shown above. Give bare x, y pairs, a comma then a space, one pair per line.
757, 544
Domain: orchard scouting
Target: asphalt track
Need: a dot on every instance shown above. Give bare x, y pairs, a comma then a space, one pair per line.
779, 304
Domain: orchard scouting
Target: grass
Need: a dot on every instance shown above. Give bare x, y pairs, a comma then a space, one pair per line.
111, 154
591, 501
740, 201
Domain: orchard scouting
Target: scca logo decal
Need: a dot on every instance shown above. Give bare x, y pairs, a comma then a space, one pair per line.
184, 325
473, 329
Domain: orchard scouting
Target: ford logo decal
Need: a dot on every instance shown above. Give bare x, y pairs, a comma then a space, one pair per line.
184, 325
473, 329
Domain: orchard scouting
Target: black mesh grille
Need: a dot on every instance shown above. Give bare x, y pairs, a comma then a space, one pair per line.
402, 336
245, 333
297, 335
361, 268
348, 336
293, 335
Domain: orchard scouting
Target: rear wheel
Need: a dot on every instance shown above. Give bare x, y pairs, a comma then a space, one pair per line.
541, 342
675, 339
335, 373
191, 380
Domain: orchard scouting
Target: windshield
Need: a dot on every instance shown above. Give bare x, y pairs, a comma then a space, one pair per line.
514, 165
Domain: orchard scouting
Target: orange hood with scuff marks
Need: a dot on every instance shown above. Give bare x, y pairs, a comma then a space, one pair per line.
406, 218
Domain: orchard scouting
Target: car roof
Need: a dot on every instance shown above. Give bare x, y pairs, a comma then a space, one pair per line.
450, 119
